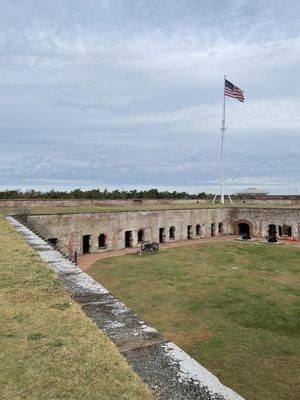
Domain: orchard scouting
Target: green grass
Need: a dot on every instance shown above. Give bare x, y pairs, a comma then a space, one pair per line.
138, 207
234, 307
48, 348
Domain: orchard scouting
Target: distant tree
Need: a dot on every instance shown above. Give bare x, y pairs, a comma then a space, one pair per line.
94, 194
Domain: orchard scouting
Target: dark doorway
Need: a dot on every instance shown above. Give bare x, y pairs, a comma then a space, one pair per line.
220, 228
213, 229
189, 232
86, 244
280, 230
286, 230
162, 236
272, 233
141, 235
198, 230
128, 239
244, 229
53, 242
272, 230
172, 232
102, 240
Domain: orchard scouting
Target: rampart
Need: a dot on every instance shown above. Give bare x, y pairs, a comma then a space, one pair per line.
271, 199
95, 202
105, 231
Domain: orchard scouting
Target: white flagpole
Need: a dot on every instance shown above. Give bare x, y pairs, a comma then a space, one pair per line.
222, 146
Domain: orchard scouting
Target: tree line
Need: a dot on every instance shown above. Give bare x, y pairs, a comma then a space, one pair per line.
97, 194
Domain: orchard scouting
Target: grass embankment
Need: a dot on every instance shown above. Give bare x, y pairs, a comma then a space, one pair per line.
139, 207
48, 348
231, 306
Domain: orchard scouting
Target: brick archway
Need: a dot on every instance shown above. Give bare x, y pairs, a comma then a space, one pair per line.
242, 221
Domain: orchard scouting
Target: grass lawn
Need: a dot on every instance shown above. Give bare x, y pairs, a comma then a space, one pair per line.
48, 348
231, 306
138, 207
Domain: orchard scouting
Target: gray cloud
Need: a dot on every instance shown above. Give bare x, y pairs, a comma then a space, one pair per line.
129, 92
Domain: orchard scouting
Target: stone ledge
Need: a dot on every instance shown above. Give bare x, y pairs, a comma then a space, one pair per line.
165, 367
175, 375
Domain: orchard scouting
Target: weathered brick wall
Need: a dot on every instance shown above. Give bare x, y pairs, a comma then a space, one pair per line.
278, 200
71, 227
271, 201
81, 202
261, 218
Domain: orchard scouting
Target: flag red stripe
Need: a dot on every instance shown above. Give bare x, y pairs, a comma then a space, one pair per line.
234, 90
235, 93
238, 98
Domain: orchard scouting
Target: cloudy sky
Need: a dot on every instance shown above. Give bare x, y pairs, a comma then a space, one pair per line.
128, 93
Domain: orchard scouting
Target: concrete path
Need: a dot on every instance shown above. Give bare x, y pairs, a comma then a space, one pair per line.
165, 368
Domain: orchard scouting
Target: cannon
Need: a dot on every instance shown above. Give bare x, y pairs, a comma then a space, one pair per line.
246, 236
149, 247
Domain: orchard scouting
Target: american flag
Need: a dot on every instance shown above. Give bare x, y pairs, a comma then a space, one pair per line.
233, 91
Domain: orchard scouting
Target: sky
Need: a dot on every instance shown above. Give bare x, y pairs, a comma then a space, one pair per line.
128, 94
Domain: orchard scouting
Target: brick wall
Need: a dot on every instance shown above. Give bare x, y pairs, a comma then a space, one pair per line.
71, 227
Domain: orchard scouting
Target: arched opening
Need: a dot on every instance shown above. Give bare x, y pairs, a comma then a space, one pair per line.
198, 230
102, 240
213, 229
220, 228
141, 235
172, 232
243, 229
243, 226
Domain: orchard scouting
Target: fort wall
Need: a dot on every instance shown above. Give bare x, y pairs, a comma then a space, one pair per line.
261, 218
72, 227
185, 224
98, 202
272, 199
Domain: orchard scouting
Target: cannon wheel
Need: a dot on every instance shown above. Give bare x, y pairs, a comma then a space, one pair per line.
145, 246
154, 247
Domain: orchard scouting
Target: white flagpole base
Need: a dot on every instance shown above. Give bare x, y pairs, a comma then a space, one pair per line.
222, 200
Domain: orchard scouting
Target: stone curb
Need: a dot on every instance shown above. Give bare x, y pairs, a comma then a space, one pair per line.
165, 367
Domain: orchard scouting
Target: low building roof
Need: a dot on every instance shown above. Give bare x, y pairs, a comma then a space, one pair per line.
252, 191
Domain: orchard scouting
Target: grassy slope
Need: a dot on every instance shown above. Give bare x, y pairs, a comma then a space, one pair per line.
231, 306
48, 348
139, 207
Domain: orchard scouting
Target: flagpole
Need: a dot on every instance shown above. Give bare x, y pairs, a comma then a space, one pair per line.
222, 146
